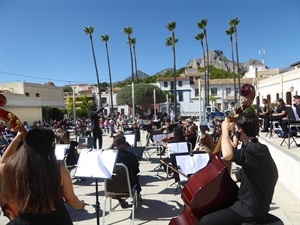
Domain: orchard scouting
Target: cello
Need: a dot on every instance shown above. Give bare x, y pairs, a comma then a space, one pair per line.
212, 188
13, 123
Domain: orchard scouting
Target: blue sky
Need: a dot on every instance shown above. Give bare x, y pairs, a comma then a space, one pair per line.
43, 40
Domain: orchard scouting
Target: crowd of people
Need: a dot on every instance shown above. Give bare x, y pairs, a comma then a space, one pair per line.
28, 158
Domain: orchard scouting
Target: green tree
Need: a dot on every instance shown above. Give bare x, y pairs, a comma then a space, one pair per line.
67, 89
230, 32
105, 39
233, 23
85, 104
202, 25
171, 41
89, 31
143, 93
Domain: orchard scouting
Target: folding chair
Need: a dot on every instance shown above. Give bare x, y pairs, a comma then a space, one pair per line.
120, 187
293, 119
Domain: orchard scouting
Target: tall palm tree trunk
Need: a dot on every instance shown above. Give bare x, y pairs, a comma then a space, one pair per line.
207, 62
95, 63
110, 81
205, 71
233, 68
174, 67
135, 64
237, 60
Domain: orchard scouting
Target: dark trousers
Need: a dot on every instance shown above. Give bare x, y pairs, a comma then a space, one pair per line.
222, 217
97, 135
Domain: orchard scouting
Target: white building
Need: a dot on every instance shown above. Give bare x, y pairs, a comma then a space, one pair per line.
26, 100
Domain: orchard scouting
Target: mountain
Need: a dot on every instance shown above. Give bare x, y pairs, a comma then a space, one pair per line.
216, 59
219, 61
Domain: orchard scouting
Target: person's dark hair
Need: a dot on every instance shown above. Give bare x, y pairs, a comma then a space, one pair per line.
178, 134
31, 177
250, 124
280, 100
120, 141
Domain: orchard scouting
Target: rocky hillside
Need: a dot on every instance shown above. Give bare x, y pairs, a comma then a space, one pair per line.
216, 59
219, 60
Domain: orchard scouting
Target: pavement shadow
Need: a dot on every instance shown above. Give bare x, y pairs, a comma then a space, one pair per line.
151, 209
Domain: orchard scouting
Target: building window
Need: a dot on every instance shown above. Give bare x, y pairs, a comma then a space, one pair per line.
165, 84
228, 91
180, 83
191, 80
172, 85
197, 92
213, 91
122, 111
27, 94
37, 95
180, 96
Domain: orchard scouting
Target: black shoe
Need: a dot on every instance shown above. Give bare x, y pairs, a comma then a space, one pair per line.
264, 130
161, 153
123, 204
298, 145
283, 136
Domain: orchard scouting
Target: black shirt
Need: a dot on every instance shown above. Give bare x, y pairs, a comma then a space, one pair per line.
258, 180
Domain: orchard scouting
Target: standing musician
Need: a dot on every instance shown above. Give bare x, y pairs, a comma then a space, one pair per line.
258, 175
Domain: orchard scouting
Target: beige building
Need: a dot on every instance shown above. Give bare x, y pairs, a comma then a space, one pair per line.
26, 100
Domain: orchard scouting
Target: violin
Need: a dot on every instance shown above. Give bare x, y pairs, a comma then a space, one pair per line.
211, 188
13, 123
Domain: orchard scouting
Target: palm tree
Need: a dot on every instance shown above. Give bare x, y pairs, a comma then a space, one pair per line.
199, 37
105, 39
233, 23
202, 24
171, 41
229, 32
128, 31
89, 31
133, 42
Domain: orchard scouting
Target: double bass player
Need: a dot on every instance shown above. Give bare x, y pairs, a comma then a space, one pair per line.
258, 175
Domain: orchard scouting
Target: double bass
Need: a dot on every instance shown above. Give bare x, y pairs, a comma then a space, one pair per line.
13, 123
212, 188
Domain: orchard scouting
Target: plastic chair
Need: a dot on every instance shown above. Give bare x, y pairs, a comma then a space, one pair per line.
120, 187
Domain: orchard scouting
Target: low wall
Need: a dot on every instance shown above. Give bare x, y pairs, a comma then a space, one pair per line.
288, 165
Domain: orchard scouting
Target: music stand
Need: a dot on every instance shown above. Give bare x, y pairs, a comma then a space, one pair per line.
96, 163
188, 163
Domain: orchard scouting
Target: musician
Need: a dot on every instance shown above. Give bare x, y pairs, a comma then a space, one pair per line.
258, 175
129, 159
265, 111
191, 135
34, 184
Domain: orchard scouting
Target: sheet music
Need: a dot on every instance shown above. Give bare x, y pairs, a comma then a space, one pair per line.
159, 137
177, 147
295, 113
130, 138
188, 164
60, 151
96, 163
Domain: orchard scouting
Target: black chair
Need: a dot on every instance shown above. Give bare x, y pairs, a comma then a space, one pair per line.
120, 187
137, 151
292, 119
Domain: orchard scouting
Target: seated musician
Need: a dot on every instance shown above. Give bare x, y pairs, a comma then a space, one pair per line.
258, 175
129, 159
191, 135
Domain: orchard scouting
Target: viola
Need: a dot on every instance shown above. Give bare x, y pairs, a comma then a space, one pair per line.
13, 123
211, 188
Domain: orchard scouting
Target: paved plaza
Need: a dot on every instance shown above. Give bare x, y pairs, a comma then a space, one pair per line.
161, 201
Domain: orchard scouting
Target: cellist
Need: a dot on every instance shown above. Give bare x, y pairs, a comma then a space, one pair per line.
258, 175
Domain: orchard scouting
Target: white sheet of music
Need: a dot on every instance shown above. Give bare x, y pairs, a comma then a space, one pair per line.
96, 163
159, 137
188, 164
60, 151
130, 138
177, 147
